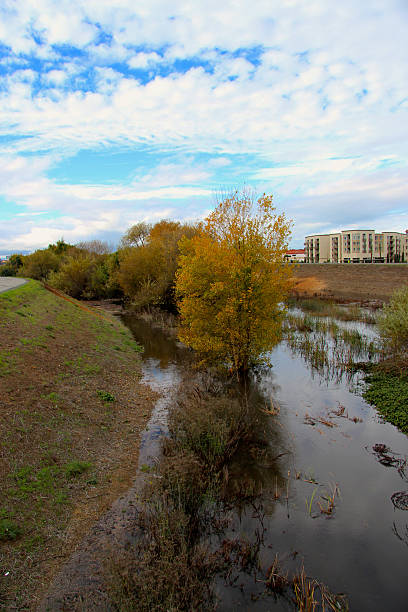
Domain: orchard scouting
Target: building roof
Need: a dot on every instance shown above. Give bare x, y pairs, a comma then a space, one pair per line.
295, 252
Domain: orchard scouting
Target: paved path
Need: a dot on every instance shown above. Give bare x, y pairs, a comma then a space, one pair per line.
10, 282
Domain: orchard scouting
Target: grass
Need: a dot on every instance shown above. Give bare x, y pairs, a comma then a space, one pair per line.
209, 425
65, 455
329, 349
327, 308
171, 567
106, 396
9, 530
334, 351
388, 392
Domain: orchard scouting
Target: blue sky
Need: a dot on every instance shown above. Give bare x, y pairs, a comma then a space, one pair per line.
116, 112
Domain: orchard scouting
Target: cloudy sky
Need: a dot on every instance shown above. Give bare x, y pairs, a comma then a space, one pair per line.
117, 111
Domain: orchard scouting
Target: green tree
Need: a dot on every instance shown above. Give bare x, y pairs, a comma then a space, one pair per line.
40, 264
13, 265
231, 281
136, 235
83, 274
147, 270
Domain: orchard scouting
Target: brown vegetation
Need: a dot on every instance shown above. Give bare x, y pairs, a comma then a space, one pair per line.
360, 282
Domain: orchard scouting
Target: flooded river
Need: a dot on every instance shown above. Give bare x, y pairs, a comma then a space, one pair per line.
324, 443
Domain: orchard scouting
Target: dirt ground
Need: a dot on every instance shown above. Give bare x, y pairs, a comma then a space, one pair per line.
350, 282
71, 413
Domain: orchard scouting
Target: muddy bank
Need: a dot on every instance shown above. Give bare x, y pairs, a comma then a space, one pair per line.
349, 282
81, 581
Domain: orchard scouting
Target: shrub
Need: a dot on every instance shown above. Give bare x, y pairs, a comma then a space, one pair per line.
40, 264
210, 426
12, 266
106, 396
393, 322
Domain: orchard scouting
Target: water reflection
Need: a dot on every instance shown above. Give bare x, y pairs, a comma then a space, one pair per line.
361, 548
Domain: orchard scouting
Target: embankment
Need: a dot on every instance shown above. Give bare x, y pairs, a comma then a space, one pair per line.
71, 413
359, 282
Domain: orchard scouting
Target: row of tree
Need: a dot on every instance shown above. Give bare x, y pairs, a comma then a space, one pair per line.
142, 270
225, 276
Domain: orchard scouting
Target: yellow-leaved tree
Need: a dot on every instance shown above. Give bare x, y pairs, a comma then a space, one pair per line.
231, 281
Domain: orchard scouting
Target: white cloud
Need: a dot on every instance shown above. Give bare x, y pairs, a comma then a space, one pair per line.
322, 104
143, 60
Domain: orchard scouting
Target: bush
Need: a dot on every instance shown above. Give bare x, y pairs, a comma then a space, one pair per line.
12, 266
40, 264
208, 425
393, 322
82, 275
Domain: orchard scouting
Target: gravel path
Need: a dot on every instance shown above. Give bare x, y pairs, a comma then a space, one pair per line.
10, 282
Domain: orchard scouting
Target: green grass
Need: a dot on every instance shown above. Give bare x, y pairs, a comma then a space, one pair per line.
9, 530
75, 468
54, 356
106, 396
389, 394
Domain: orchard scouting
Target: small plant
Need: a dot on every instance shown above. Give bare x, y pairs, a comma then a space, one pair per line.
304, 590
106, 396
8, 530
276, 579
75, 468
329, 498
53, 397
309, 503
146, 469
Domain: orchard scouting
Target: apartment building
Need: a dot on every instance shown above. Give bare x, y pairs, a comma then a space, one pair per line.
295, 255
357, 246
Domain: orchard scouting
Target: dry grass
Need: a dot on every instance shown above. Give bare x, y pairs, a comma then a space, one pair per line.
170, 567
359, 282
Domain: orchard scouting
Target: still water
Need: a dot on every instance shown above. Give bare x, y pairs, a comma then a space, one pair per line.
361, 548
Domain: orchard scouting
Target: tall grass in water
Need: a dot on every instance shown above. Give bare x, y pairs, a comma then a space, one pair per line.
311, 595
330, 349
170, 567
326, 308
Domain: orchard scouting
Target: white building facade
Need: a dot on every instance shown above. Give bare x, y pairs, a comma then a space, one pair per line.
357, 246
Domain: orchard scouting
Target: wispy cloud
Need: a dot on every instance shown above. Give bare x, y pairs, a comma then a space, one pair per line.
305, 99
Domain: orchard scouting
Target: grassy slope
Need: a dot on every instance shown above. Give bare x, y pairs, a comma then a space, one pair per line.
71, 410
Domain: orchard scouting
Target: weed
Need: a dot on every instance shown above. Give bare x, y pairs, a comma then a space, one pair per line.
75, 468
8, 530
60, 498
309, 502
329, 499
106, 396
276, 579
146, 469
389, 394
53, 397
304, 590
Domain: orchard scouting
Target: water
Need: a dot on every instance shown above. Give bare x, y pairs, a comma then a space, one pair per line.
362, 549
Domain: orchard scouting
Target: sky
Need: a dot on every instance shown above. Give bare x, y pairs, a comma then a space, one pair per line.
120, 111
